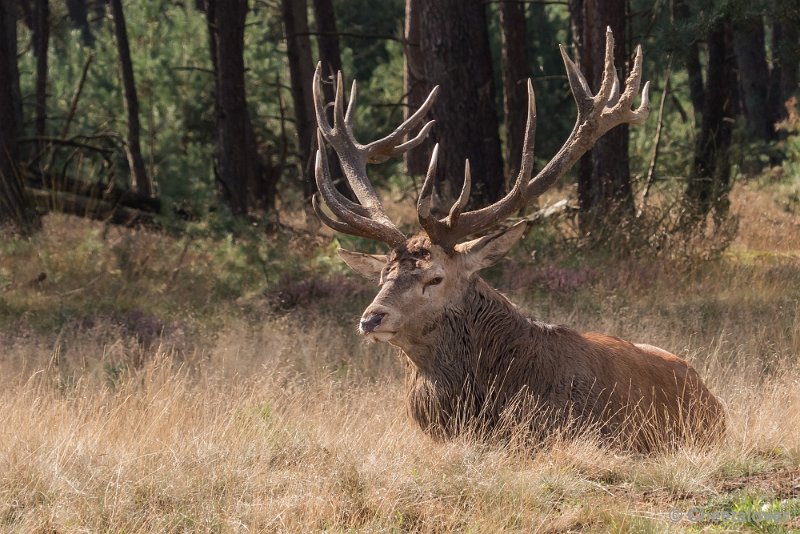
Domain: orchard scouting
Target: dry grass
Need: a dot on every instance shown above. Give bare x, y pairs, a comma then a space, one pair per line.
290, 423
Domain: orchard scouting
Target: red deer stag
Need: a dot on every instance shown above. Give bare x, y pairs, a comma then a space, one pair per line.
474, 362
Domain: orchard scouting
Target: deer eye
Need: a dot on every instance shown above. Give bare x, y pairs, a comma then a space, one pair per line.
435, 281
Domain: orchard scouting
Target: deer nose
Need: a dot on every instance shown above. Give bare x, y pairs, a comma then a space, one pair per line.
371, 322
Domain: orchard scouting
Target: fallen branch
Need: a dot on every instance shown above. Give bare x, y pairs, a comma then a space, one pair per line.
91, 208
95, 191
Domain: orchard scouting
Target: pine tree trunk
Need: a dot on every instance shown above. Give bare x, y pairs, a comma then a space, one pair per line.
41, 38
605, 193
416, 87
78, 14
455, 46
751, 60
331, 58
784, 73
244, 182
709, 184
14, 208
583, 59
328, 37
301, 71
513, 42
140, 180
692, 60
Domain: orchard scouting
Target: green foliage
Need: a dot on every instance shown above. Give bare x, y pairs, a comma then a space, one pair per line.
169, 43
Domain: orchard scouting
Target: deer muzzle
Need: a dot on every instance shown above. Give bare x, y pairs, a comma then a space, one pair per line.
370, 322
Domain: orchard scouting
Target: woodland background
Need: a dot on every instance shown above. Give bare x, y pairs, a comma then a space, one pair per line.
177, 345
172, 113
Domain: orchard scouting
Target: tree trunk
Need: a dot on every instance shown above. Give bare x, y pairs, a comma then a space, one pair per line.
784, 73
455, 46
41, 38
513, 42
244, 182
331, 57
583, 59
416, 87
709, 184
14, 208
691, 57
605, 194
328, 38
139, 179
9, 29
751, 60
78, 14
301, 71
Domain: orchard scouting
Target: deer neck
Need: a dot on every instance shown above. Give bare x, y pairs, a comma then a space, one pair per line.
469, 332
459, 363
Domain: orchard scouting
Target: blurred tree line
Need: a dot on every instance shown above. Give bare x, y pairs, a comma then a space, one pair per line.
161, 112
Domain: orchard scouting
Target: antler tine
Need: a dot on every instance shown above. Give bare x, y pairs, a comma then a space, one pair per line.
427, 220
632, 89
382, 149
339, 120
440, 230
463, 198
577, 83
609, 72
351, 108
355, 219
340, 205
614, 98
634, 80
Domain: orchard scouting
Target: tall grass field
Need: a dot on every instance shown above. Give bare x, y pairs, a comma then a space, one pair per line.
156, 384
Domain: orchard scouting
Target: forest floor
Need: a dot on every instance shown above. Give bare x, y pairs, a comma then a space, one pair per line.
155, 384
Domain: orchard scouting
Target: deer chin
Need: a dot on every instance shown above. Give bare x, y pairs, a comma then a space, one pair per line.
383, 337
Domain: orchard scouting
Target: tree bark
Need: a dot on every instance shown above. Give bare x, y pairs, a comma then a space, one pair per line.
331, 58
328, 38
41, 38
513, 43
691, 57
78, 14
751, 60
784, 73
245, 183
710, 182
301, 71
139, 179
583, 59
415, 86
455, 45
9, 29
14, 207
605, 194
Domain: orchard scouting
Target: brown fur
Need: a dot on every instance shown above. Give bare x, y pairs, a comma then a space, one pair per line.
491, 365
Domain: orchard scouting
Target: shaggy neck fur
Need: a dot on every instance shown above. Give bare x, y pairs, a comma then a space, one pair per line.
466, 369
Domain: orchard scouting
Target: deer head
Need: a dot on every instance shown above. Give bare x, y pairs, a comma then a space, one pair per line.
423, 275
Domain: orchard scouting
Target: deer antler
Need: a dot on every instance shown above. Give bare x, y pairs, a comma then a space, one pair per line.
367, 218
596, 115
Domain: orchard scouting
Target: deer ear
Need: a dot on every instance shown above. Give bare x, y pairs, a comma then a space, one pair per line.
488, 250
367, 265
